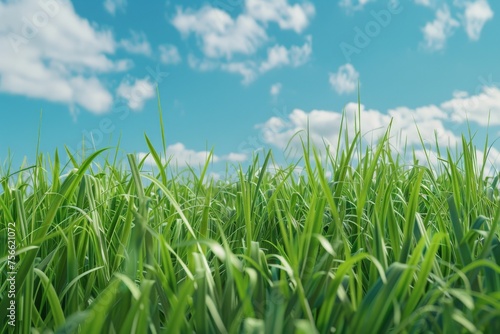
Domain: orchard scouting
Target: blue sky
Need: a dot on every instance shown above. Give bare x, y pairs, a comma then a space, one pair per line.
239, 75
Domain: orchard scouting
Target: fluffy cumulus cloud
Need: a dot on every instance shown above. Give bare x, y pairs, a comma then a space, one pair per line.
437, 32
136, 92
51, 53
472, 15
202, 64
345, 80
476, 14
295, 17
426, 3
481, 108
219, 35
354, 4
277, 56
235, 157
112, 6
180, 156
323, 125
245, 69
169, 54
183, 156
276, 89
137, 43
410, 126
231, 43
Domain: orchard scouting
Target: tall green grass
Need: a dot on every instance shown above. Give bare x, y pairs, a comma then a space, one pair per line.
380, 245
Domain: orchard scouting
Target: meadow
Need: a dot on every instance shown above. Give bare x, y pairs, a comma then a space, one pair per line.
363, 240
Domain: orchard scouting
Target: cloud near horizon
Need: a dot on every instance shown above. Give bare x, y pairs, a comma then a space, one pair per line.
409, 126
180, 156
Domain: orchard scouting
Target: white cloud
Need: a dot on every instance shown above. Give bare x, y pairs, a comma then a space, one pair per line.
231, 43
426, 3
492, 163
137, 43
180, 156
235, 157
276, 89
324, 127
460, 94
279, 55
430, 122
136, 92
215, 176
476, 14
90, 94
295, 17
59, 59
112, 6
475, 108
299, 55
183, 156
276, 56
218, 33
438, 31
169, 54
354, 4
322, 124
345, 80
245, 69
410, 126
203, 65
473, 14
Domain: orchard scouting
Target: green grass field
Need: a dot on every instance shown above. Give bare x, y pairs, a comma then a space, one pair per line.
362, 241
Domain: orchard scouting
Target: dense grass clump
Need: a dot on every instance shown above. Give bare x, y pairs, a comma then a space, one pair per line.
359, 242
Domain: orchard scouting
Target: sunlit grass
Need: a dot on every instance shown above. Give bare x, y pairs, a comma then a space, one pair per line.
377, 246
